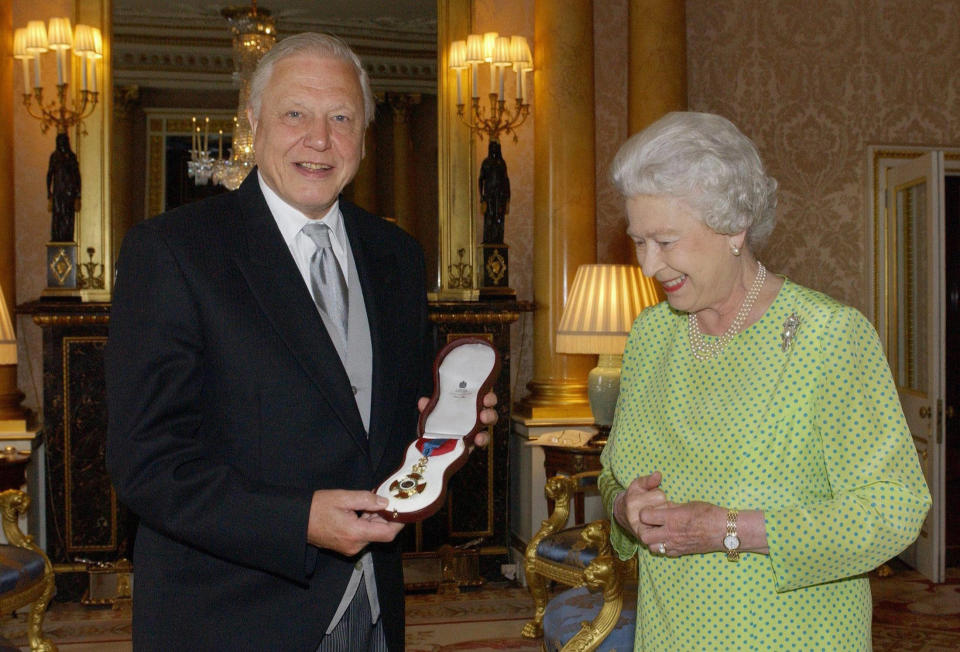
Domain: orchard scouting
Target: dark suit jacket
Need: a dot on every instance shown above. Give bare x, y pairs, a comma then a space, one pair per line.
228, 406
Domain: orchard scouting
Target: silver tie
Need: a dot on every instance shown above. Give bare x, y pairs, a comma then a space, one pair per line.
326, 278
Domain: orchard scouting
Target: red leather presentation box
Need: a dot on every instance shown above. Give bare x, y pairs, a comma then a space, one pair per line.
463, 372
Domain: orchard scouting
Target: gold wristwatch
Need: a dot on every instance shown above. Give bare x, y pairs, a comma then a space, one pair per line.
731, 542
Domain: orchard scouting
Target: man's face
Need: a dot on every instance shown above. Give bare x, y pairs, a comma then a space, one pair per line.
308, 137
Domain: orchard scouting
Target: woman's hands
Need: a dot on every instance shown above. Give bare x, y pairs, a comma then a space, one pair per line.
670, 529
685, 529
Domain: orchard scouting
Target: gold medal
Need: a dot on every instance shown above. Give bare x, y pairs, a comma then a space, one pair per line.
407, 486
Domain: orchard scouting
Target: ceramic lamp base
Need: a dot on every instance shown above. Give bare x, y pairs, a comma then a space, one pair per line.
603, 389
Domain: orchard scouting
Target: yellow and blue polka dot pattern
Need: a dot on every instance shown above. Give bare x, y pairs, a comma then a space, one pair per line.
814, 436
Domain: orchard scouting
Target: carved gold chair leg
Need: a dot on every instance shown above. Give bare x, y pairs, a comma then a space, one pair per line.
37, 613
560, 489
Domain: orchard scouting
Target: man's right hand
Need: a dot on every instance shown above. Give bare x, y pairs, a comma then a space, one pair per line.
335, 524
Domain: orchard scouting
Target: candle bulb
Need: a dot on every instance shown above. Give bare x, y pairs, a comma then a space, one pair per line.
93, 75
26, 76
492, 79
59, 67
36, 71
459, 100
500, 72
83, 73
474, 77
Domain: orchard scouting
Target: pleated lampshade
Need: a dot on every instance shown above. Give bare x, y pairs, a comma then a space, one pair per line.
8, 339
601, 307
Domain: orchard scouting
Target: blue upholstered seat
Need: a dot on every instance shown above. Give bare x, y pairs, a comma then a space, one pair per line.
565, 613
567, 547
19, 568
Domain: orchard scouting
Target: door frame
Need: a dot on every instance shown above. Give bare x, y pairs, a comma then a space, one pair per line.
879, 158
930, 557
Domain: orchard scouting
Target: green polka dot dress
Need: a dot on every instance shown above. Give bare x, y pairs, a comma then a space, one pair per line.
814, 436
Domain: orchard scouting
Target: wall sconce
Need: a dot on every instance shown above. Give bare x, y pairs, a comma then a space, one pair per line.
500, 54
603, 303
30, 43
34, 40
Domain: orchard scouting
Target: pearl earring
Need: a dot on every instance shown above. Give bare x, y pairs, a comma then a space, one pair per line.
735, 250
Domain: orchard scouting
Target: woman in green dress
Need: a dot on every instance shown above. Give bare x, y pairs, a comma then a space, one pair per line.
759, 463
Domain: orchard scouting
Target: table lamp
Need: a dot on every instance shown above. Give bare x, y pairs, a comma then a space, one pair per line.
601, 307
8, 339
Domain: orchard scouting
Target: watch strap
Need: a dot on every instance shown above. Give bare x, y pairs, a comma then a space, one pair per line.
733, 551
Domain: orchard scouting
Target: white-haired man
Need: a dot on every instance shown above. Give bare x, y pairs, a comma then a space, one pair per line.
251, 414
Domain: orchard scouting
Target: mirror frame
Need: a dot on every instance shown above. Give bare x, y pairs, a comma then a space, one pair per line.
457, 271
456, 274
92, 143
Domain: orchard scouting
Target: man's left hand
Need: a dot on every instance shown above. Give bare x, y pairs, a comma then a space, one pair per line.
488, 416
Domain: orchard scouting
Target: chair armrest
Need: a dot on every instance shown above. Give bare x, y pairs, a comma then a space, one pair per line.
605, 574
560, 489
597, 535
13, 503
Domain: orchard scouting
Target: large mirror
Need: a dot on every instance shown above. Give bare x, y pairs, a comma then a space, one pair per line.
173, 62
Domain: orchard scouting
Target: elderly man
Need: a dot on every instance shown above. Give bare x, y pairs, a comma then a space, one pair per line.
267, 351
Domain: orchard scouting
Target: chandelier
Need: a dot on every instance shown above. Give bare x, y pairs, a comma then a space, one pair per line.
254, 33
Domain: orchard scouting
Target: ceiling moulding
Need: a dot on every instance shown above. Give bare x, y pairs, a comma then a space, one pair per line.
196, 52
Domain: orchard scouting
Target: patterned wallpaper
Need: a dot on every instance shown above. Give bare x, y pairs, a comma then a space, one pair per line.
814, 88
814, 84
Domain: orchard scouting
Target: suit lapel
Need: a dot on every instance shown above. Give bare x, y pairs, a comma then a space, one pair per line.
377, 269
276, 283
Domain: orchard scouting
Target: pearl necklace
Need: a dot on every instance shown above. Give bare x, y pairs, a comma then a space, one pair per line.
704, 349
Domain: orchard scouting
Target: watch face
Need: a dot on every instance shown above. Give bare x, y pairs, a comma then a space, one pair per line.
731, 542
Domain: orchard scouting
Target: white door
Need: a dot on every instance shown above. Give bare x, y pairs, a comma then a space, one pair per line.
915, 331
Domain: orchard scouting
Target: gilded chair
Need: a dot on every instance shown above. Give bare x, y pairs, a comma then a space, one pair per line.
26, 576
600, 615
580, 557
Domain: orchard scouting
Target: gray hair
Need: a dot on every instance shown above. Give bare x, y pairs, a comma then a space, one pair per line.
704, 160
324, 46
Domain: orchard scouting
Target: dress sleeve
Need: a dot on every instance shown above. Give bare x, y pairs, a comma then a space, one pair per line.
622, 540
879, 497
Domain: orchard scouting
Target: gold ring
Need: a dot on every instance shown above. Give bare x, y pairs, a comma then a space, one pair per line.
663, 549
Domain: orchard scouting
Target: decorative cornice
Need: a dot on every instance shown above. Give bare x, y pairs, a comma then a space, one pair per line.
164, 49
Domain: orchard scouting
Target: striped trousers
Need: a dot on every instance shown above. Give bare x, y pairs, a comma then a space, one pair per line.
354, 633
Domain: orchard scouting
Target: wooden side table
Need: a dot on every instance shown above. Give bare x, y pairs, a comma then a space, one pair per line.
13, 468
569, 460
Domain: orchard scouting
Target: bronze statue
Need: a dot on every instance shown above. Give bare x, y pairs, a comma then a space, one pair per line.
494, 193
63, 190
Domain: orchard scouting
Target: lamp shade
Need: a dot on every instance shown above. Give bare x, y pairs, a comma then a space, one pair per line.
37, 37
501, 52
458, 55
474, 49
84, 44
97, 43
8, 339
604, 301
489, 45
519, 52
20, 44
59, 34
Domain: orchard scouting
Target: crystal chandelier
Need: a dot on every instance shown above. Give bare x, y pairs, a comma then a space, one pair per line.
254, 33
